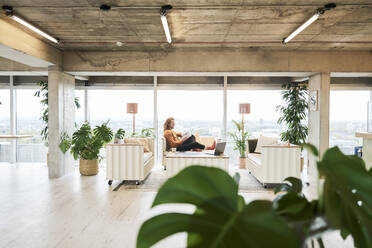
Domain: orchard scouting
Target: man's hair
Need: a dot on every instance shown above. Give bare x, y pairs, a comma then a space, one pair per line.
167, 123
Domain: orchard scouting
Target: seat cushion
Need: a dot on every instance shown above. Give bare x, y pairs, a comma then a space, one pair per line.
255, 157
265, 141
147, 156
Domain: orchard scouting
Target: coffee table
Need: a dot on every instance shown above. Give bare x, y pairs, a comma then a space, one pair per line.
177, 161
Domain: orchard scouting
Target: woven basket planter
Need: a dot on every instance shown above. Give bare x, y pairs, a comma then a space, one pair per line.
88, 167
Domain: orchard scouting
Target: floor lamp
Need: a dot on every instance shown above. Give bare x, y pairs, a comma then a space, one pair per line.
244, 108
132, 108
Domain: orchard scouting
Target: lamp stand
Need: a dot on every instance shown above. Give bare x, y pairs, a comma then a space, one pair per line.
242, 125
134, 124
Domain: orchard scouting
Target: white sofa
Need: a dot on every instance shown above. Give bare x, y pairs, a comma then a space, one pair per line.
274, 163
205, 140
129, 161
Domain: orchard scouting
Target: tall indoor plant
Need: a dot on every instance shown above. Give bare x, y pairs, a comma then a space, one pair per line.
43, 94
240, 142
294, 113
222, 218
86, 144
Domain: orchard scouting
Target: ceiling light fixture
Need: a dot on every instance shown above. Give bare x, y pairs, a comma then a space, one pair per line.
312, 19
163, 15
9, 12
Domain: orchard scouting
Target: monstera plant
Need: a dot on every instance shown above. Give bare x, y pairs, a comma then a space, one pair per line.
222, 218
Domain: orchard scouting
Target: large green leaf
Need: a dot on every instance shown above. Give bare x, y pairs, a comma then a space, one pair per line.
294, 186
347, 195
221, 218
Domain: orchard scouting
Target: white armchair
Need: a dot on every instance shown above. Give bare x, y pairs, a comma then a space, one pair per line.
129, 161
274, 163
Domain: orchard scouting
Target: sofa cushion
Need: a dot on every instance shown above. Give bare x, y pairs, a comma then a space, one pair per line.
264, 141
207, 140
147, 156
142, 141
255, 157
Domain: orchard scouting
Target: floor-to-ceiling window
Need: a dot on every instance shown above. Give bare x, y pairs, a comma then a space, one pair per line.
348, 114
5, 145
29, 111
80, 112
262, 119
111, 105
193, 110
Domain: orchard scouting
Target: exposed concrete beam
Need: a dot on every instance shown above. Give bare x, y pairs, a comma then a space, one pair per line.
24, 48
218, 60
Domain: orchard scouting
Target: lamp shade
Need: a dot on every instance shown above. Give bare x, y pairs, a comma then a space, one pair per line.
132, 108
244, 108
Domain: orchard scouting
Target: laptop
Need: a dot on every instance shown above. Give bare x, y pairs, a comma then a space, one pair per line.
220, 149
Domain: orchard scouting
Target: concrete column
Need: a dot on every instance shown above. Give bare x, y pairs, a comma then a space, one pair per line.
318, 125
61, 93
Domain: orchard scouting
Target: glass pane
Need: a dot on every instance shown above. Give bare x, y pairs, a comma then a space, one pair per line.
262, 119
112, 105
29, 111
194, 111
79, 113
348, 115
5, 145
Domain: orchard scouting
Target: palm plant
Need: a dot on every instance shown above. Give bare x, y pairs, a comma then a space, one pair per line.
86, 143
43, 93
222, 218
240, 139
293, 113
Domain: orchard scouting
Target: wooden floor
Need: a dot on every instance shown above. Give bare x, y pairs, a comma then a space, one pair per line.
76, 211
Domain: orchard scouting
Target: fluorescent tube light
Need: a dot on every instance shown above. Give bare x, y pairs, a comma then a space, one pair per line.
166, 28
302, 27
33, 28
315, 17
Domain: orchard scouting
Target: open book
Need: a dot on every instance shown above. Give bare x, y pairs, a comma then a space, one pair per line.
186, 135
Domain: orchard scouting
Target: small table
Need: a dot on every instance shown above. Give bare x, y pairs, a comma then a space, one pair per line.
14, 138
179, 160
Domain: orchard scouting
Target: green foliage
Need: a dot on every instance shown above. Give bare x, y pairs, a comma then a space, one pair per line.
223, 219
65, 142
240, 139
147, 133
120, 133
43, 94
86, 142
293, 113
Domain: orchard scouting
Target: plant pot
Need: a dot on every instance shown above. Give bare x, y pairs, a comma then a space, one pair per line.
118, 141
88, 167
242, 163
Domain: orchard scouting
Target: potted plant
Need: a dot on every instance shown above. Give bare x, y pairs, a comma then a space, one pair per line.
86, 144
119, 136
240, 142
147, 133
222, 218
294, 113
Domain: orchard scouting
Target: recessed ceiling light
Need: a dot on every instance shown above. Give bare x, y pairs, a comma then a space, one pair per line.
119, 43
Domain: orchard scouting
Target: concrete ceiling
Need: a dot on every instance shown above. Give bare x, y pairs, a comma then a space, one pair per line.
200, 23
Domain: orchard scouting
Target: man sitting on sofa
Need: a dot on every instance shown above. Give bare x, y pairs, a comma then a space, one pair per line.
186, 143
